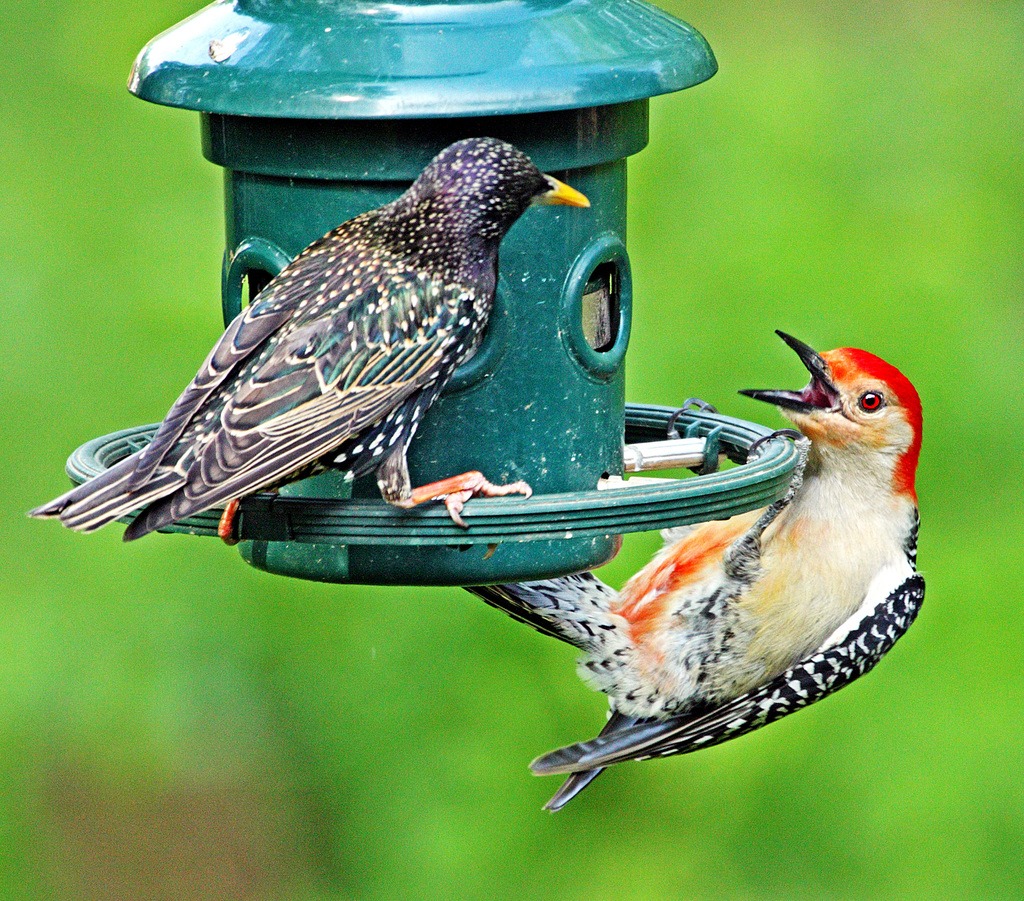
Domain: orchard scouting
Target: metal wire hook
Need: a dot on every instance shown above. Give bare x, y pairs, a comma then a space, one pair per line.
701, 405
792, 434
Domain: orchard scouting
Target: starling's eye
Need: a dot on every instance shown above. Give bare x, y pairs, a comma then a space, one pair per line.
871, 402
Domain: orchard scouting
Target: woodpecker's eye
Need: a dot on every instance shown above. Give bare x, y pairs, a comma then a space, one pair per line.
871, 402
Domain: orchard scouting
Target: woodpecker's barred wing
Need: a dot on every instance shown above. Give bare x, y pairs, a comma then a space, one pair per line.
910, 547
890, 607
562, 608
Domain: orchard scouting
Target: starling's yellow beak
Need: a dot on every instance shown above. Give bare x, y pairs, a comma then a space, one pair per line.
561, 193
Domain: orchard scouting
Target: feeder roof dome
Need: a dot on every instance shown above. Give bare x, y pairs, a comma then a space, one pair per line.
358, 59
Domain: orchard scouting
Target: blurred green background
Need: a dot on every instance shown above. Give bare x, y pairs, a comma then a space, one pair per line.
174, 724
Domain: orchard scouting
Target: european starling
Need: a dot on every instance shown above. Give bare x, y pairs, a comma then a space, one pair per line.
337, 359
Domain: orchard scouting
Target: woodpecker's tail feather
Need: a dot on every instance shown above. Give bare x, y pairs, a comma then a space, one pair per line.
571, 788
579, 781
566, 608
103, 499
585, 756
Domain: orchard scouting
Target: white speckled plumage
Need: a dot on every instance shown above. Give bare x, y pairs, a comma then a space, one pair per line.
337, 359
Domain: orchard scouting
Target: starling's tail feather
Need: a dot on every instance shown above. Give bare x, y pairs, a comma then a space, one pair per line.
168, 508
50, 510
105, 498
107, 480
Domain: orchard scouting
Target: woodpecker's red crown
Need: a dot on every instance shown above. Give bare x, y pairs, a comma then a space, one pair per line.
856, 400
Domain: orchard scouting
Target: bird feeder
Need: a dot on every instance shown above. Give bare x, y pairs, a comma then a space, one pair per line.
319, 111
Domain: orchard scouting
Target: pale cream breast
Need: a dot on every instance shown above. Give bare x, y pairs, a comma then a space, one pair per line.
817, 563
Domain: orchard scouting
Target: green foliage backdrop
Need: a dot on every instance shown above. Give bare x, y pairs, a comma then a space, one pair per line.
176, 725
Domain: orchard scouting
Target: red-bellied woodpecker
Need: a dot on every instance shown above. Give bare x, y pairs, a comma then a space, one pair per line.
737, 623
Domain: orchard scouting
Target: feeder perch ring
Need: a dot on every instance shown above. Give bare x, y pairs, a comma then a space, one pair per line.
635, 506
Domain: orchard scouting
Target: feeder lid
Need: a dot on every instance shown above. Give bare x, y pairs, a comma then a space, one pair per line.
359, 59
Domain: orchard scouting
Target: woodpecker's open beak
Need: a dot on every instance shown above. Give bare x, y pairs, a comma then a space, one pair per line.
561, 193
820, 394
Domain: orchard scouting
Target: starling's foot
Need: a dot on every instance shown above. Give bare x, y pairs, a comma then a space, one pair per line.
226, 526
455, 491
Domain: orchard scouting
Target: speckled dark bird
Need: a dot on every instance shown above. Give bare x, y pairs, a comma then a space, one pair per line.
338, 358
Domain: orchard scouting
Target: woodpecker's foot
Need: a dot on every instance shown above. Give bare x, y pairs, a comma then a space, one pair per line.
744, 556
456, 490
226, 526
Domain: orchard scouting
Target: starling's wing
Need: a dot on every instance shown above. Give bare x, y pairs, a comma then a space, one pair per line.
890, 607
134, 481
246, 332
281, 303
342, 365
562, 608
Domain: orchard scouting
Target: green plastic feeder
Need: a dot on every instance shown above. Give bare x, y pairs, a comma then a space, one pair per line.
321, 109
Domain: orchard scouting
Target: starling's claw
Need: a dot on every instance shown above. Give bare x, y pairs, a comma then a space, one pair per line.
454, 503
456, 490
520, 487
226, 526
